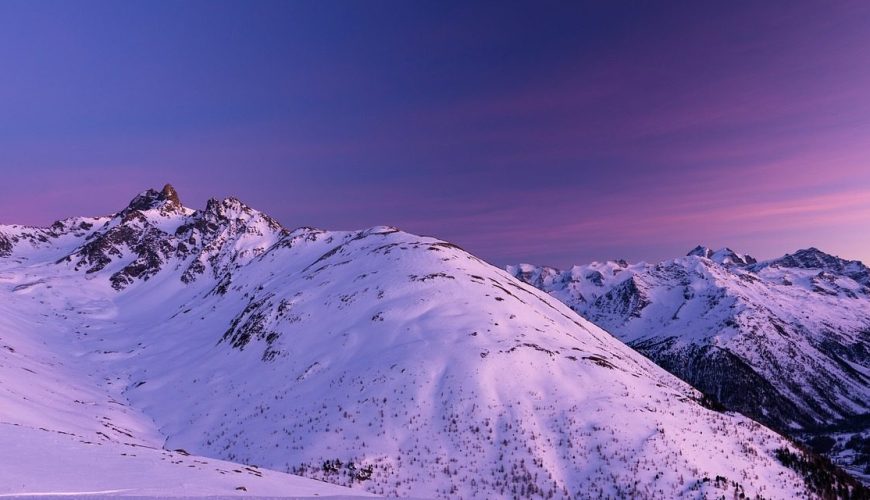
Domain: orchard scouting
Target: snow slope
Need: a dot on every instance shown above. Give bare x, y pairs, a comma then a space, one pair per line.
784, 341
66, 427
46, 463
376, 359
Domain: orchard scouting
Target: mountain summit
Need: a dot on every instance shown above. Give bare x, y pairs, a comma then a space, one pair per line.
166, 199
722, 256
814, 259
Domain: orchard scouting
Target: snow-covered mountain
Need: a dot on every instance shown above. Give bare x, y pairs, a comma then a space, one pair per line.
376, 359
784, 341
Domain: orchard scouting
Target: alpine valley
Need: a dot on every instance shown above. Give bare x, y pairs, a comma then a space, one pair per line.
167, 351
784, 342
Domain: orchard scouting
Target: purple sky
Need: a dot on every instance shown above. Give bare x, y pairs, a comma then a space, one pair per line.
552, 133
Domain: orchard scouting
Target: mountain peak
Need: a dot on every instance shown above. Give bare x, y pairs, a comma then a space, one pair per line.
170, 194
814, 252
166, 198
700, 251
722, 256
226, 206
808, 257
813, 258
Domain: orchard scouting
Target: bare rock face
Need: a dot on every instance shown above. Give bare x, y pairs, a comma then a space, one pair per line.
166, 200
5, 246
814, 259
701, 251
724, 256
170, 195
155, 232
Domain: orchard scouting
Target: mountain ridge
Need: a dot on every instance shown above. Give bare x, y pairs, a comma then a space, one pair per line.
742, 332
375, 359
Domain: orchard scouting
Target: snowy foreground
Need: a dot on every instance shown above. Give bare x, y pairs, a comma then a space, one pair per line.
46, 463
378, 360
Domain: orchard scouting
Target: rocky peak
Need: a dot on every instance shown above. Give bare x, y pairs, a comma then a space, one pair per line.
166, 199
201, 240
700, 251
224, 208
724, 256
5, 246
233, 209
728, 256
813, 258
169, 194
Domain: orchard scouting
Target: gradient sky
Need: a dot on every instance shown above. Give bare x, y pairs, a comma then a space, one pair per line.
553, 133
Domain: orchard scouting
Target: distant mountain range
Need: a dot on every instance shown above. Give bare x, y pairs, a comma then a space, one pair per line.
783, 341
380, 360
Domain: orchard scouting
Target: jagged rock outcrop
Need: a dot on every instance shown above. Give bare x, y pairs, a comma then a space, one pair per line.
827, 265
165, 200
155, 230
5, 246
724, 256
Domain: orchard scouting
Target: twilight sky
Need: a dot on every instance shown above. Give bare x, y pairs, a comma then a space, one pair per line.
553, 133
